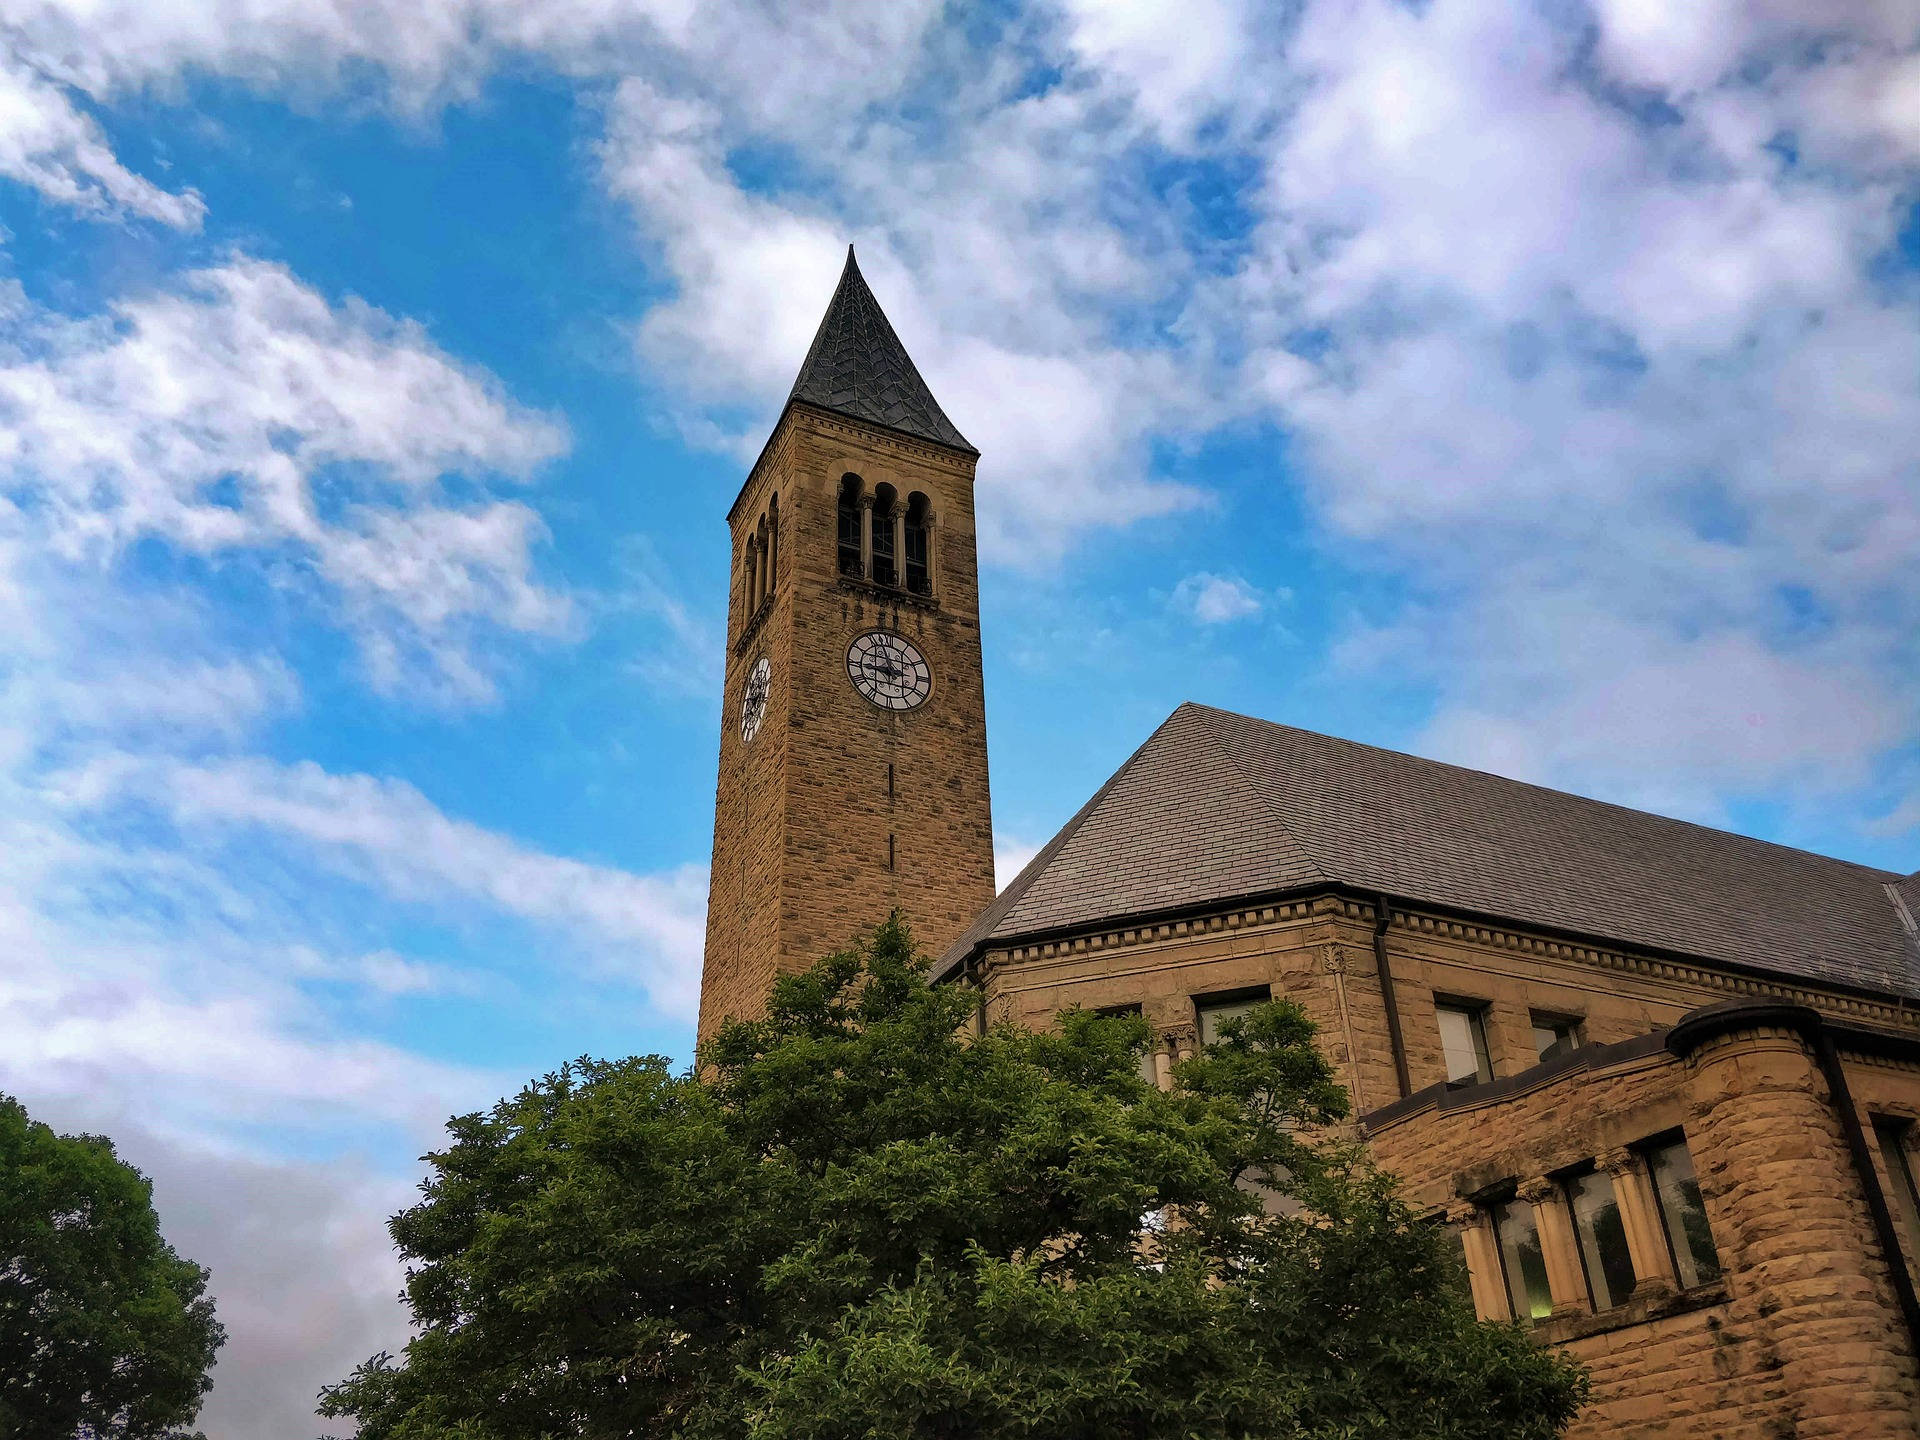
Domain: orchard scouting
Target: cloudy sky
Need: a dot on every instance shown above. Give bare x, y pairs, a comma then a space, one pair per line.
1533, 386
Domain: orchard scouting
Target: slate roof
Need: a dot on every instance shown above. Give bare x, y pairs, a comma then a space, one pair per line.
1217, 806
857, 366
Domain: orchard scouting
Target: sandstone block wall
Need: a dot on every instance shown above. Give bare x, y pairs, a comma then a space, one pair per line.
838, 811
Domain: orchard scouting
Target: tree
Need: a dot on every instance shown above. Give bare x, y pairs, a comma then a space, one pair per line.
104, 1330
860, 1219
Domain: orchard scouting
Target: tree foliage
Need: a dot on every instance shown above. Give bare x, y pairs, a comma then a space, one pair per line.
104, 1330
859, 1219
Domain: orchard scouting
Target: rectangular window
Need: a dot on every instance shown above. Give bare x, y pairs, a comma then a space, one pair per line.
1602, 1237
1521, 1263
1892, 1135
1146, 1055
1215, 1013
1463, 1037
1682, 1216
1555, 1035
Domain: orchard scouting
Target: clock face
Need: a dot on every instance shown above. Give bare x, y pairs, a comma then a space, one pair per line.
753, 704
888, 670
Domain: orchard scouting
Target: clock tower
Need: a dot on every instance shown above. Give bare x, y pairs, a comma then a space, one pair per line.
853, 743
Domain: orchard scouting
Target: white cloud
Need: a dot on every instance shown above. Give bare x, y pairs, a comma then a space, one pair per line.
48, 143
240, 416
1010, 857
1216, 599
1616, 394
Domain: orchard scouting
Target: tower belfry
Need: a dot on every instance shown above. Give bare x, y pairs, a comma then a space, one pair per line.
853, 755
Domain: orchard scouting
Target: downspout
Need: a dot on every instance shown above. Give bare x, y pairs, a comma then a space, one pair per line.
1883, 1228
1382, 916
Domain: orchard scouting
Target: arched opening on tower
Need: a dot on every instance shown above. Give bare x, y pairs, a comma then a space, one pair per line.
848, 513
919, 557
885, 555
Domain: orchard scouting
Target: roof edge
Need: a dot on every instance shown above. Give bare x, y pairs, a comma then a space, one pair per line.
791, 404
1369, 896
975, 935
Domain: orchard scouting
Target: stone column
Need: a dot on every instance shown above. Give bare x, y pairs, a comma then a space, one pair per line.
1490, 1300
1790, 1221
1566, 1280
1183, 1040
1640, 1218
900, 543
933, 555
1162, 1066
866, 537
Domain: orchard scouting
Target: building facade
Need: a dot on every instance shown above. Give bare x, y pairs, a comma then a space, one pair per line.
1663, 1081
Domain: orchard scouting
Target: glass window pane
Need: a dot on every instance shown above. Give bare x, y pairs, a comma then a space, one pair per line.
1521, 1261
1694, 1257
1555, 1035
1214, 1014
1146, 1056
1892, 1135
1603, 1239
1464, 1041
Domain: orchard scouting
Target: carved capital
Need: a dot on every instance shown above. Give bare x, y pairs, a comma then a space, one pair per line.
1618, 1161
1466, 1215
1335, 960
1537, 1191
1182, 1038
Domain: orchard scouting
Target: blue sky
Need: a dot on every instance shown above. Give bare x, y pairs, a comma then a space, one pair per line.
1535, 387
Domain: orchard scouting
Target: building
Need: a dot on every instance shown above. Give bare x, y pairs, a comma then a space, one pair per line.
1663, 1080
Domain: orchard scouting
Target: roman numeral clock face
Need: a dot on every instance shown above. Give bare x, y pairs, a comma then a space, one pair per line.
753, 704
889, 671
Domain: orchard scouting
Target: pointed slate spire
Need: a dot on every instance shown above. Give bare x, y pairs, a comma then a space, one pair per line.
858, 367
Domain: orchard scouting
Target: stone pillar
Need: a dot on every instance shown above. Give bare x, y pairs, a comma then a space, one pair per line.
1490, 1301
1640, 1218
866, 537
1162, 1067
1790, 1221
933, 555
900, 543
1182, 1039
1558, 1249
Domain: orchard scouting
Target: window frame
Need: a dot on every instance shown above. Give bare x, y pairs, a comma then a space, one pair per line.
1575, 1027
1246, 996
1147, 1070
1891, 1133
1493, 1209
1566, 1184
847, 508
1475, 1012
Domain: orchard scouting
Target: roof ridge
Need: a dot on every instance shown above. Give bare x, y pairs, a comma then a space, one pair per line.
1614, 805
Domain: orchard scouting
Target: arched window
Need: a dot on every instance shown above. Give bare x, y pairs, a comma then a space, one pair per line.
773, 544
918, 558
884, 569
760, 563
849, 527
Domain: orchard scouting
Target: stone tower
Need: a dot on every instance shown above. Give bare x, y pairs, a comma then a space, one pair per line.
853, 744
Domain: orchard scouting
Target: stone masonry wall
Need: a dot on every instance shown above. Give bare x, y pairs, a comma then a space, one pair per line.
838, 811
1804, 1294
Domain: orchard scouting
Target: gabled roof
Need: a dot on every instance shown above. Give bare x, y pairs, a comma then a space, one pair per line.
1216, 807
858, 367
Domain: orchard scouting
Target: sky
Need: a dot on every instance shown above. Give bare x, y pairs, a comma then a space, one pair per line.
1531, 386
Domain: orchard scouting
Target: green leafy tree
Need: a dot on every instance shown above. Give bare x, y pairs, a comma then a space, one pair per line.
858, 1219
104, 1330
